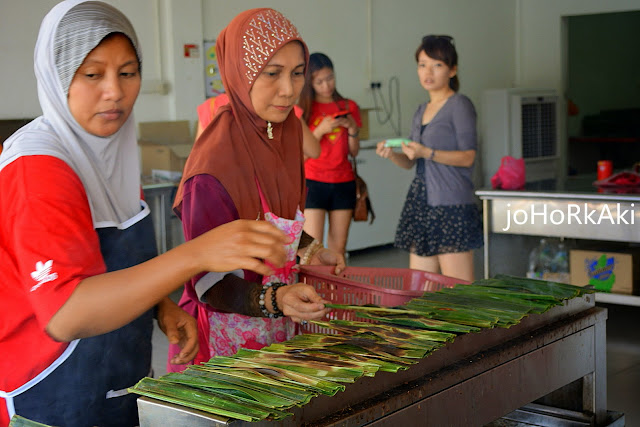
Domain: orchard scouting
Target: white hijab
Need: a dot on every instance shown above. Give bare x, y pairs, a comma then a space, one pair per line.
107, 166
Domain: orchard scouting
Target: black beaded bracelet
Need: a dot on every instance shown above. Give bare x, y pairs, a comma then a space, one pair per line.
274, 303
277, 313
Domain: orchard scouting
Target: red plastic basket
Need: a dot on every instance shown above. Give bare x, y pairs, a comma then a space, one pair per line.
370, 285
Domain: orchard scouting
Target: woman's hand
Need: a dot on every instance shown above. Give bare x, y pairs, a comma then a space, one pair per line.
241, 244
413, 150
326, 256
180, 328
327, 125
400, 159
348, 122
301, 302
383, 151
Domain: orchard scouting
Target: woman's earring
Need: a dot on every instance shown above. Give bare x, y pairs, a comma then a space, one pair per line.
269, 130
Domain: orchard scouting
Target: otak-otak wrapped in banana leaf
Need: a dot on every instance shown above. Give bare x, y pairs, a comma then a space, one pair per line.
259, 384
310, 382
18, 421
385, 331
197, 398
311, 360
416, 321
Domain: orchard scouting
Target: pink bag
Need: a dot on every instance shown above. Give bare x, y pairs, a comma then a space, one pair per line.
510, 174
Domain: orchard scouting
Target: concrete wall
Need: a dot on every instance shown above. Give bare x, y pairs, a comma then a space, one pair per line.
541, 50
501, 43
367, 40
19, 23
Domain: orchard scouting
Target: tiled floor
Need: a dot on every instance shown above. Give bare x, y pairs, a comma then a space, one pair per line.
623, 340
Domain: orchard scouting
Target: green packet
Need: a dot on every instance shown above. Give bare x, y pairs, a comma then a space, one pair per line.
18, 421
396, 142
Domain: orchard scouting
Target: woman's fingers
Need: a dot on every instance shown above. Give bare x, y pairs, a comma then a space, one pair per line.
382, 150
255, 265
328, 124
263, 228
188, 347
409, 151
344, 122
301, 301
180, 328
326, 256
256, 241
418, 149
242, 244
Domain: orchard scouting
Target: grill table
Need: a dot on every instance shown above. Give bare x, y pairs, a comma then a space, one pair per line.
472, 381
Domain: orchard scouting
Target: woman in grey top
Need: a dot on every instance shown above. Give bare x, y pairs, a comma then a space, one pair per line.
440, 223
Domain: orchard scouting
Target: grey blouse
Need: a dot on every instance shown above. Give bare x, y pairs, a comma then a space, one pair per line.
452, 128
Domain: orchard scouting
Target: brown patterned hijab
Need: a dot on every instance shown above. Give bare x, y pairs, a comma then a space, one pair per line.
235, 147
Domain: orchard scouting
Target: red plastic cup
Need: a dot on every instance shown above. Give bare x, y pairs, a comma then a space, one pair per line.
605, 169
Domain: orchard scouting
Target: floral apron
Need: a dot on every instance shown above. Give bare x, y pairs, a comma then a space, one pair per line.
228, 332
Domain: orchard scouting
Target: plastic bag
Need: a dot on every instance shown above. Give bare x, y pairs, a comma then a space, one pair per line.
549, 261
510, 174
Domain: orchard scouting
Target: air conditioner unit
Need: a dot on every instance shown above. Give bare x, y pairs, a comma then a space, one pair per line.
522, 123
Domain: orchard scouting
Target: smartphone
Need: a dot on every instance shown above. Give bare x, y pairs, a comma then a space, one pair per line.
396, 142
341, 113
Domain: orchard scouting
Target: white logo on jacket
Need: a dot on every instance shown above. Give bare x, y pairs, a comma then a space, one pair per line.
43, 274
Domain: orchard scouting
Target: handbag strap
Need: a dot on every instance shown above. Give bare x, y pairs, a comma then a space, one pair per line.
354, 164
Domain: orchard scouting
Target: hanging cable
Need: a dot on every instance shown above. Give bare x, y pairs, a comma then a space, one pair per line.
394, 98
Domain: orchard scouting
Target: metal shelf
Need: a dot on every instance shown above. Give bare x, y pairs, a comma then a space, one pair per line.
498, 206
619, 299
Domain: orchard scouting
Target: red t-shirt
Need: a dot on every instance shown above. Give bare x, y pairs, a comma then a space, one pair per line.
333, 164
47, 245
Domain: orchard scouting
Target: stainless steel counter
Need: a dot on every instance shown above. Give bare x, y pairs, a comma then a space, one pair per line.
559, 214
159, 195
477, 379
582, 213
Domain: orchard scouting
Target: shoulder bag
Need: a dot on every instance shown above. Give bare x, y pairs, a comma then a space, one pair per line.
363, 207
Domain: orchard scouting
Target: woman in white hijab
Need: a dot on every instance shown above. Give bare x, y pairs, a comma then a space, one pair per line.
80, 275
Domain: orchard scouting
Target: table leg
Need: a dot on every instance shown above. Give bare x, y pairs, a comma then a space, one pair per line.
485, 231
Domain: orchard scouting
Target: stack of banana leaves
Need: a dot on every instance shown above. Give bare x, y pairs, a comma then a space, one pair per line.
262, 384
18, 421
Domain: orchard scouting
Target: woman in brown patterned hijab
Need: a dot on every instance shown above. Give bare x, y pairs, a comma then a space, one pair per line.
237, 142
248, 163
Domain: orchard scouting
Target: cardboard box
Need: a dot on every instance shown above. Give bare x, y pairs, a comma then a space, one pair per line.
164, 146
606, 271
364, 117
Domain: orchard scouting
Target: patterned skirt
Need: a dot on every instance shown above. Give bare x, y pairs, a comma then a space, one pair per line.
427, 230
